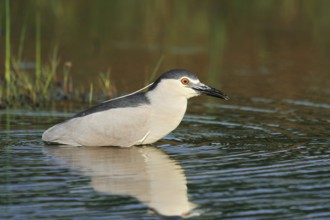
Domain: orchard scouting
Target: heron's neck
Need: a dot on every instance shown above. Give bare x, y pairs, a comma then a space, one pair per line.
166, 113
167, 99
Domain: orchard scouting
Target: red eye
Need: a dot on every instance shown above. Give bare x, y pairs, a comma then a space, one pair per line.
185, 81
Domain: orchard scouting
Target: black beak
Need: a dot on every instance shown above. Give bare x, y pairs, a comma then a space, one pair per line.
204, 89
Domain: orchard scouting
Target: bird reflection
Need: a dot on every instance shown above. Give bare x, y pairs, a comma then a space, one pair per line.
145, 173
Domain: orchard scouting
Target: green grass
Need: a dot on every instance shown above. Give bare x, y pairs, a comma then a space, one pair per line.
54, 84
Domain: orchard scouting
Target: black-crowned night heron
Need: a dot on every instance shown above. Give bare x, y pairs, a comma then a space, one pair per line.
135, 119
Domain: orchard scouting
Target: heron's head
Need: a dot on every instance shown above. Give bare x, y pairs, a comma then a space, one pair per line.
182, 82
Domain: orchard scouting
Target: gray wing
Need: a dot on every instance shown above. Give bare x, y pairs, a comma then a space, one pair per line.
133, 100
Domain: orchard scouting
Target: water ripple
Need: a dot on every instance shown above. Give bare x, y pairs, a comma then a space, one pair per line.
261, 159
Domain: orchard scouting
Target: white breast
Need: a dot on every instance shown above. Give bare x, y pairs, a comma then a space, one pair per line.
166, 113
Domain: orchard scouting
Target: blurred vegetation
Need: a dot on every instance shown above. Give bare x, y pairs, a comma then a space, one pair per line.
51, 49
20, 87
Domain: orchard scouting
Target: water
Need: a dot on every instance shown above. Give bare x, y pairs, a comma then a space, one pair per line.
265, 159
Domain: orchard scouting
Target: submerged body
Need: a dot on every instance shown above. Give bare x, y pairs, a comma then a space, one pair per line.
136, 119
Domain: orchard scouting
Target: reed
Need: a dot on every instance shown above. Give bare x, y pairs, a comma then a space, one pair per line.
151, 76
90, 97
156, 69
50, 72
38, 47
1, 95
106, 84
22, 38
7, 56
66, 72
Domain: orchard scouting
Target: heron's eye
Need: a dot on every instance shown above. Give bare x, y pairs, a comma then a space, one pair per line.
185, 81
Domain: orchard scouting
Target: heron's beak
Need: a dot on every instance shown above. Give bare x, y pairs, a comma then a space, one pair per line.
207, 90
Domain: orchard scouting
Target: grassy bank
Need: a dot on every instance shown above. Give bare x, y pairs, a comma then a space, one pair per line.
53, 83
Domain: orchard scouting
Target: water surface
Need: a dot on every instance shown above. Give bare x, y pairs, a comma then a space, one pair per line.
265, 159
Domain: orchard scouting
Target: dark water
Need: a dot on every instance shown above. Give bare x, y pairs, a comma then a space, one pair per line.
265, 159
264, 154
